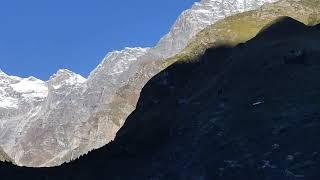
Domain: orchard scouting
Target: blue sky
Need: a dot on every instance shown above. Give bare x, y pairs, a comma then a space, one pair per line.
38, 37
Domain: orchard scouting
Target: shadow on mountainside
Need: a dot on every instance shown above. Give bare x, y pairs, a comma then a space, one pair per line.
249, 112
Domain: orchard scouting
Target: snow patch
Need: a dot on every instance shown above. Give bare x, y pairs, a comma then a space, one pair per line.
8, 102
31, 87
65, 77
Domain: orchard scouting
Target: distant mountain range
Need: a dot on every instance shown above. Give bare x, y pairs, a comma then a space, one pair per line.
48, 123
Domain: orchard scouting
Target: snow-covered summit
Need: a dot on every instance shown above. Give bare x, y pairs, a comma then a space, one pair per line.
65, 77
14, 90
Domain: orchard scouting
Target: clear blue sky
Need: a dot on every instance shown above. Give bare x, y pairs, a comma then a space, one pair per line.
38, 37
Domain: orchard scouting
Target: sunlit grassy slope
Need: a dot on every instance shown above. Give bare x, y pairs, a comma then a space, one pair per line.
242, 27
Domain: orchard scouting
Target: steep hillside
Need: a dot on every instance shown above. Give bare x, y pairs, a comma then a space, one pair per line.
241, 27
44, 124
230, 30
242, 112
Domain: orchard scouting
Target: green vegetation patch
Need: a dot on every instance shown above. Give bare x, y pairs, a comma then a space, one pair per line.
244, 26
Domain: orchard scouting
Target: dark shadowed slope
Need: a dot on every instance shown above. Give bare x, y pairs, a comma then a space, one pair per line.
249, 112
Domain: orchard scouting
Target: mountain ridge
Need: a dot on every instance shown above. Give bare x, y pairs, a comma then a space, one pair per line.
244, 26
79, 115
240, 112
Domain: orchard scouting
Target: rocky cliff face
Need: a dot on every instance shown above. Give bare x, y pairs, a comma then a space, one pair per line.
48, 123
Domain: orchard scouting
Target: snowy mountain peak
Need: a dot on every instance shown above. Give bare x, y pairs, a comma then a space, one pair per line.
30, 88
65, 77
32, 78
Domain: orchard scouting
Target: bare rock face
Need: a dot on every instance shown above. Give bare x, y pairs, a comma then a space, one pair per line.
47, 123
4, 157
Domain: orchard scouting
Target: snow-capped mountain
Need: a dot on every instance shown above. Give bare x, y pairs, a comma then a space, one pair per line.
48, 123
